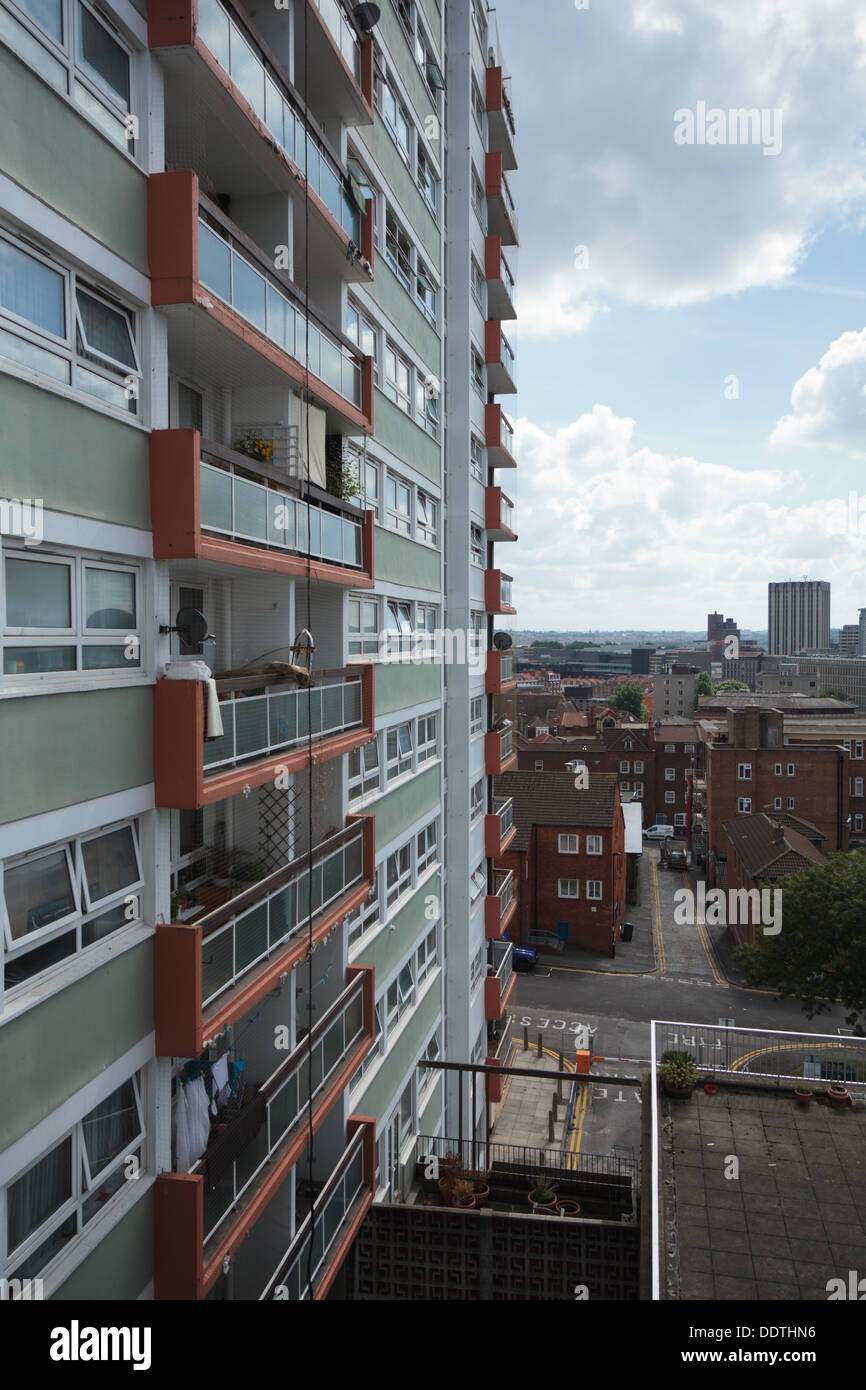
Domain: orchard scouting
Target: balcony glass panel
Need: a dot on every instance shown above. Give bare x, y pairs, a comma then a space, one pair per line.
249, 293
216, 499
331, 1219
250, 510
214, 263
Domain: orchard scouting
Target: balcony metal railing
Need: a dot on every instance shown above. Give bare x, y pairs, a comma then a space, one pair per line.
504, 881
506, 357
506, 513
505, 811
508, 279
289, 1092
502, 1043
503, 964
234, 280
506, 744
343, 34
261, 920
238, 56
245, 510
506, 667
764, 1053
256, 726
332, 1212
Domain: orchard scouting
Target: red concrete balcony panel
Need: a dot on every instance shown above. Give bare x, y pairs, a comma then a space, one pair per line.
498, 592
210, 973
266, 732
499, 985
499, 752
209, 502
499, 437
236, 319
499, 828
499, 515
500, 677
499, 358
501, 128
500, 908
501, 211
501, 289
198, 1224
501, 1057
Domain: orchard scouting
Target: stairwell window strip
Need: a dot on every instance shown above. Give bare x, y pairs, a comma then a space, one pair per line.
476, 715
49, 1204
54, 323
76, 53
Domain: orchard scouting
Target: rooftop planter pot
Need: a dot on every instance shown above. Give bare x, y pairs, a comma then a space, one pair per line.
838, 1097
679, 1073
542, 1198
567, 1207
803, 1095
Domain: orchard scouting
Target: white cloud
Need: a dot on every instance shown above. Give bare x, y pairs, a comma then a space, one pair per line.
829, 401
555, 309
613, 535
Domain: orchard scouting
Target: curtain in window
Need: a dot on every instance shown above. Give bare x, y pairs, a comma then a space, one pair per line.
109, 864
110, 1128
109, 597
38, 1193
32, 290
106, 332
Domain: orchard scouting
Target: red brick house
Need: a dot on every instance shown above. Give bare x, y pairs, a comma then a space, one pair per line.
676, 746
763, 850
568, 859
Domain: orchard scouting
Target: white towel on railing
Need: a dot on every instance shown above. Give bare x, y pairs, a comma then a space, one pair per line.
213, 720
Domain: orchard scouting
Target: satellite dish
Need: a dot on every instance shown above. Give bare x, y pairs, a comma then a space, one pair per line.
191, 627
502, 641
367, 17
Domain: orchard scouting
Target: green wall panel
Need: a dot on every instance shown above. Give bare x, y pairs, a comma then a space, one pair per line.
57, 1047
434, 21
121, 1266
408, 803
406, 562
410, 925
396, 174
58, 155
62, 749
390, 32
395, 303
74, 458
401, 686
382, 1091
395, 431
432, 1111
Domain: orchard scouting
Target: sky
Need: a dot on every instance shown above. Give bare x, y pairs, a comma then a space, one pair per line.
691, 422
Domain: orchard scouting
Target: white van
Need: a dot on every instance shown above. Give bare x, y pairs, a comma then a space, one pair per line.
659, 832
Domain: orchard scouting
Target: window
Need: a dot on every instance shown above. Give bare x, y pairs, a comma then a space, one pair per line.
478, 882
398, 874
66, 614
569, 888
638, 791
777, 770
400, 995
638, 767
476, 799
395, 117
476, 540
427, 402
478, 283
375, 1050
569, 844
428, 955
427, 518
479, 376
744, 806
791, 803
406, 17
427, 182
679, 818
594, 844
594, 889
479, 106
479, 198
858, 786
398, 505
425, 292
476, 968
858, 751
427, 1075
476, 715
363, 627
428, 847
791, 770
628, 745
367, 916
398, 626
426, 627
539, 765
476, 458
670, 748
363, 334
625, 767
57, 901
670, 774
397, 379
398, 743
51, 323
670, 798
428, 738
625, 786
777, 803
858, 822
51, 1202
479, 16
365, 772
744, 772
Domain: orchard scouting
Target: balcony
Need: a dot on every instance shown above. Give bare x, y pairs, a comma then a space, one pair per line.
500, 673
499, 437
499, 828
268, 726
501, 211
340, 63
498, 515
234, 319
499, 358
499, 985
500, 1041
499, 753
201, 1218
215, 62
498, 592
500, 118
209, 972
501, 289
209, 502
500, 908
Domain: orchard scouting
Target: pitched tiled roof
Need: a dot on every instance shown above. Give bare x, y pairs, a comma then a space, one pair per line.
551, 798
764, 856
803, 827
676, 733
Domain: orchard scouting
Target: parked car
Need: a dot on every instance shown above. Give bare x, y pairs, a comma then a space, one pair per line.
523, 958
659, 832
676, 859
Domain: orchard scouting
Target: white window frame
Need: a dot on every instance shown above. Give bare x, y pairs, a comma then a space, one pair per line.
594, 844
744, 806
744, 772
594, 890
569, 844
427, 518
476, 799
792, 769
403, 990
477, 451
565, 886
396, 518
427, 738
368, 780
477, 715
427, 847
402, 760
360, 642
670, 798
476, 546
403, 882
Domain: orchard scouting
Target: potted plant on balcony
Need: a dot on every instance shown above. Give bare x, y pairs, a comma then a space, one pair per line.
451, 1170
341, 470
255, 446
480, 1187
679, 1073
462, 1194
838, 1096
803, 1094
542, 1197
568, 1207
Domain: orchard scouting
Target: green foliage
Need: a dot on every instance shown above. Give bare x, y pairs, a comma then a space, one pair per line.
543, 1193
629, 697
730, 685
678, 1069
831, 692
819, 957
704, 685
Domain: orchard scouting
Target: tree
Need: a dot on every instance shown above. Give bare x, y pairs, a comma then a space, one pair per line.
833, 693
629, 697
704, 685
730, 685
819, 956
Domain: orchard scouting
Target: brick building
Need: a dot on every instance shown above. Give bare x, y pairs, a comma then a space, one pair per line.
764, 850
676, 751
568, 859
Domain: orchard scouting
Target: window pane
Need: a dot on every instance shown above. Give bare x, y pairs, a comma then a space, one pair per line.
48, 13
31, 290
109, 599
38, 893
189, 408
110, 658
106, 331
39, 1192
27, 354
37, 595
101, 53
111, 1127
109, 863
27, 661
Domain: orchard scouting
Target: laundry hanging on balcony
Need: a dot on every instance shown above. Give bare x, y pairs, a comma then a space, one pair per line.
316, 457
199, 671
191, 1123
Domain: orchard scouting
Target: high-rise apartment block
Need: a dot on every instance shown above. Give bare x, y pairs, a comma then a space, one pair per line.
799, 617
255, 276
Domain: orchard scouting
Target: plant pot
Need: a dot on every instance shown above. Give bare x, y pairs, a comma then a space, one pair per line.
803, 1097
838, 1097
677, 1092
542, 1206
482, 1192
568, 1208
710, 1088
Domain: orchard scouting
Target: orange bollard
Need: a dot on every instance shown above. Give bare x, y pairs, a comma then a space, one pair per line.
582, 1063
